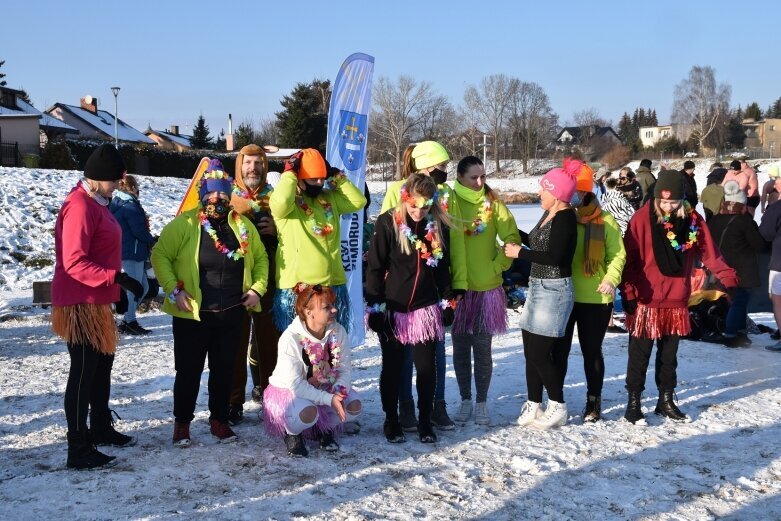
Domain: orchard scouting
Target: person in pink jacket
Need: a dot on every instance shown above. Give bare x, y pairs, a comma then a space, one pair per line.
87, 280
746, 178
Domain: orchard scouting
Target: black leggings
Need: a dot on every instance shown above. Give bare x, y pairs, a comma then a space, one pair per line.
592, 321
543, 366
390, 377
89, 385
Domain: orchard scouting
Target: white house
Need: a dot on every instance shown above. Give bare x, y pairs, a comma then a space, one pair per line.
650, 136
94, 123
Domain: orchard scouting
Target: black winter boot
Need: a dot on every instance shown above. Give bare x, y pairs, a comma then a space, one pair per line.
440, 417
103, 433
666, 407
634, 410
593, 411
393, 432
82, 454
295, 445
407, 415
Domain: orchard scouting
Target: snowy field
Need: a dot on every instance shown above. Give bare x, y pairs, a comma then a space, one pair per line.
725, 464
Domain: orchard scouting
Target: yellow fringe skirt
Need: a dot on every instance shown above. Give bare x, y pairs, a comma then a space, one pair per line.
87, 324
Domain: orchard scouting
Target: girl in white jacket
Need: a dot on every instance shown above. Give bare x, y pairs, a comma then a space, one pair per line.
310, 388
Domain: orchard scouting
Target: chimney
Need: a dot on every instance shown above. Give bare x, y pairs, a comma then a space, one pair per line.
229, 144
175, 130
89, 103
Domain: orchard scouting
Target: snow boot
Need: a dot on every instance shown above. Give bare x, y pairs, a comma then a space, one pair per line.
529, 412
634, 409
464, 411
235, 414
440, 417
555, 416
222, 431
593, 411
181, 434
482, 417
327, 442
132, 328
257, 394
407, 415
666, 407
393, 431
82, 454
295, 446
102, 430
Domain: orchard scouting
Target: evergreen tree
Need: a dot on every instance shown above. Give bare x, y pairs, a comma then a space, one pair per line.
625, 128
303, 120
653, 121
753, 112
245, 134
776, 109
201, 139
221, 143
3, 83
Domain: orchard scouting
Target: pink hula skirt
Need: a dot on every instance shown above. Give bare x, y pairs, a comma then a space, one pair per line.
481, 312
276, 402
419, 326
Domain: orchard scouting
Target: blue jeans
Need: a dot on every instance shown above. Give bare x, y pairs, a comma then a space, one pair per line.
736, 316
134, 269
405, 389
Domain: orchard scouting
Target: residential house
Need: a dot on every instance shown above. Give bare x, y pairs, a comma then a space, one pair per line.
93, 123
764, 134
170, 140
570, 136
650, 136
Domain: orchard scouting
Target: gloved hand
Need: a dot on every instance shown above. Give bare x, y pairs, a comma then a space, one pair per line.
448, 316
330, 171
458, 294
377, 322
293, 163
130, 284
630, 306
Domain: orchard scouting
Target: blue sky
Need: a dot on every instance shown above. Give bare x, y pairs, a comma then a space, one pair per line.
174, 60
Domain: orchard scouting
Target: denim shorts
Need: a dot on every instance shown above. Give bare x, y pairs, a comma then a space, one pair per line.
548, 306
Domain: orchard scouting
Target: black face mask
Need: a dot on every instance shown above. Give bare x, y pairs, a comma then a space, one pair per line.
218, 210
439, 176
312, 190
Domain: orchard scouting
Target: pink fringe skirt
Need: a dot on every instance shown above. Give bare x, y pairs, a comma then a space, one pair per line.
419, 326
648, 322
276, 402
481, 312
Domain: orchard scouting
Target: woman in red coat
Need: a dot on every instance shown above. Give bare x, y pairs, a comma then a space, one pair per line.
662, 243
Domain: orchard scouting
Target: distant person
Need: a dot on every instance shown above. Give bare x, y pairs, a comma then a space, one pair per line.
769, 192
713, 194
616, 204
628, 185
770, 228
747, 180
645, 179
752, 191
689, 183
600, 175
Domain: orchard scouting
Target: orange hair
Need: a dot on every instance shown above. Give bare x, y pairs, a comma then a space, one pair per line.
308, 296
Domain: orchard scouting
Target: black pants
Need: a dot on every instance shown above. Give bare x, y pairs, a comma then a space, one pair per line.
543, 366
262, 345
592, 321
666, 362
216, 335
391, 371
89, 385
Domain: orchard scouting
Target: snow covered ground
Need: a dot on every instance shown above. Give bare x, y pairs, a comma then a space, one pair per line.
725, 464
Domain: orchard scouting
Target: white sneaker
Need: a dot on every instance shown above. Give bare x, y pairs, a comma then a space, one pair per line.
555, 416
530, 412
464, 411
481, 414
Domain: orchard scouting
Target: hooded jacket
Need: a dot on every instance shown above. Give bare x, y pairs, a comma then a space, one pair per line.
136, 239
646, 180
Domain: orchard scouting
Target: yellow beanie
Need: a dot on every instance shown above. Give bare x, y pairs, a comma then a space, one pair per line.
429, 153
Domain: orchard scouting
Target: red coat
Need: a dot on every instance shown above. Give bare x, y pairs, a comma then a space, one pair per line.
642, 280
88, 249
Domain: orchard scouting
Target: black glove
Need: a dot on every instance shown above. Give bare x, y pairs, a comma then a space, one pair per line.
130, 284
330, 171
630, 306
459, 293
377, 322
293, 163
448, 316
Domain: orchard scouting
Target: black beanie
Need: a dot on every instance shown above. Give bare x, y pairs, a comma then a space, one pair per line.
105, 164
646, 163
735, 165
669, 185
688, 165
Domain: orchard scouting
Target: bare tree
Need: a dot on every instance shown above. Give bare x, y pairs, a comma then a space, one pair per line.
397, 112
267, 132
490, 104
434, 116
700, 102
589, 117
532, 119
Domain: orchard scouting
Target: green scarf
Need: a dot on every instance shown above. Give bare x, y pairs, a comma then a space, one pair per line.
590, 216
469, 195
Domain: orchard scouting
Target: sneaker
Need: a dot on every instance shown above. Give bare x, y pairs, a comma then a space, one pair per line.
407, 415
393, 432
440, 418
776, 348
481, 414
328, 443
295, 446
555, 416
257, 394
222, 431
351, 428
133, 328
530, 412
181, 434
426, 433
235, 414
464, 411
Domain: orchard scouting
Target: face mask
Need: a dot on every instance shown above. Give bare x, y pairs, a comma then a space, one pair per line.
576, 199
312, 190
438, 176
217, 210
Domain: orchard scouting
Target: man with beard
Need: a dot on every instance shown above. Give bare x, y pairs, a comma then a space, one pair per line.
250, 198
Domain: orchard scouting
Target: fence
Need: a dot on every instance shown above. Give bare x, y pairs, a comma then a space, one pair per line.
10, 154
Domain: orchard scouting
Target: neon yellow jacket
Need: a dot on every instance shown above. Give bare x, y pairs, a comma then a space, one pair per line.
485, 260
175, 258
458, 270
303, 256
611, 269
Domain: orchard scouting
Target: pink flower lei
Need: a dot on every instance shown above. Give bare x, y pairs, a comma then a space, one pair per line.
321, 229
326, 373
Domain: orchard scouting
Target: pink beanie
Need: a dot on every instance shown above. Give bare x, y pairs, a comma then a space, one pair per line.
561, 181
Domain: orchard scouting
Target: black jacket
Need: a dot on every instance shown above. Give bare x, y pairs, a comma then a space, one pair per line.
404, 281
770, 228
690, 189
739, 240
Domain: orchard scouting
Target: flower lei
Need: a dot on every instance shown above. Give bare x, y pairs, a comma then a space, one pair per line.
416, 202
324, 372
252, 201
243, 236
444, 198
693, 231
432, 257
444, 304
318, 228
477, 226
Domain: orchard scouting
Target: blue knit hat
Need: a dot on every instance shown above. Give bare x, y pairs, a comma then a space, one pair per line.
215, 179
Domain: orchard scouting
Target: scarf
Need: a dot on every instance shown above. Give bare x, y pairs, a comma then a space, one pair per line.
670, 262
590, 216
467, 194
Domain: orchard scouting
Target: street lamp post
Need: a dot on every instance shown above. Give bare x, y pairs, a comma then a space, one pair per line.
115, 90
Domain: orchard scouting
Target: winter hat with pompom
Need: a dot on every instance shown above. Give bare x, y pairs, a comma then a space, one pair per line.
584, 181
560, 182
733, 193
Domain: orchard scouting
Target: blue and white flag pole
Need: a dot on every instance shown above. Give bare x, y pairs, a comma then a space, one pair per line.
348, 119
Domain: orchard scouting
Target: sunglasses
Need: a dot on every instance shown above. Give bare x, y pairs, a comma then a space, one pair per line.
316, 289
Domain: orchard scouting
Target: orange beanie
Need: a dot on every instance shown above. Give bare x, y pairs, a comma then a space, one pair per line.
312, 165
584, 182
